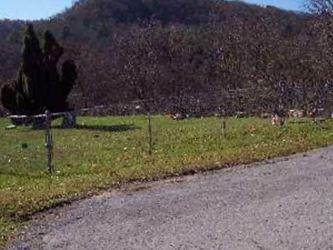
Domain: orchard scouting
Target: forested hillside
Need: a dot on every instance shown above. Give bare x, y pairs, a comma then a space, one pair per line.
188, 54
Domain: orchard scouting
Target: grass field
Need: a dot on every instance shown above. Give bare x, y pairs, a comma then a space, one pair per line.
103, 153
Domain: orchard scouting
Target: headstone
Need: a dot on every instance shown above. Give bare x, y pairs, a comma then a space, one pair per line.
11, 127
69, 120
277, 120
39, 123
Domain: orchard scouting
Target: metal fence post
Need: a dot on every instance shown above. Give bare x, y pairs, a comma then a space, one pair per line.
48, 141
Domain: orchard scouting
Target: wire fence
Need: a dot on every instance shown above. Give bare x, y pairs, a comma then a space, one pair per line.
135, 128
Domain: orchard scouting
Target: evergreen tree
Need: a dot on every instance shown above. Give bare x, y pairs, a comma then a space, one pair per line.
39, 86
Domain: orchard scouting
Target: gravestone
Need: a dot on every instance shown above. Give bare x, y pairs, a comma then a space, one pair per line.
69, 120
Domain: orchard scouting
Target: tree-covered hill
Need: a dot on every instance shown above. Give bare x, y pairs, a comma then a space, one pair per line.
185, 52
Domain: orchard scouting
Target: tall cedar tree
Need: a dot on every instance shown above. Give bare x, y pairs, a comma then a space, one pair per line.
39, 86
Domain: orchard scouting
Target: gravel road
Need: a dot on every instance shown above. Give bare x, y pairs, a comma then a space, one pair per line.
285, 203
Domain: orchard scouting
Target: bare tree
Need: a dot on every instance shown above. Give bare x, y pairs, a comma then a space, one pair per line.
320, 6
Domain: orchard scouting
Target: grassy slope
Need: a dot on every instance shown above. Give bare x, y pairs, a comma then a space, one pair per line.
101, 155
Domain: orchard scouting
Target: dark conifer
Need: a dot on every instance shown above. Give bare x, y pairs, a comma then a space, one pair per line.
39, 86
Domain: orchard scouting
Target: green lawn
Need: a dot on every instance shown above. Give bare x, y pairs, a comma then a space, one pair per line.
106, 152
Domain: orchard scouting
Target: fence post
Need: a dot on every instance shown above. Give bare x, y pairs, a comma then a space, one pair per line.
223, 126
48, 141
150, 134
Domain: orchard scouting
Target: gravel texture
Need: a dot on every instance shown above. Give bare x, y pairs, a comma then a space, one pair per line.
285, 203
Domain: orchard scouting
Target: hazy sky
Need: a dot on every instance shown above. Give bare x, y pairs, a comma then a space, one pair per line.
37, 9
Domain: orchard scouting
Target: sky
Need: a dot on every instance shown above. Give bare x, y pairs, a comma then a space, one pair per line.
284, 4
39, 9
31, 9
